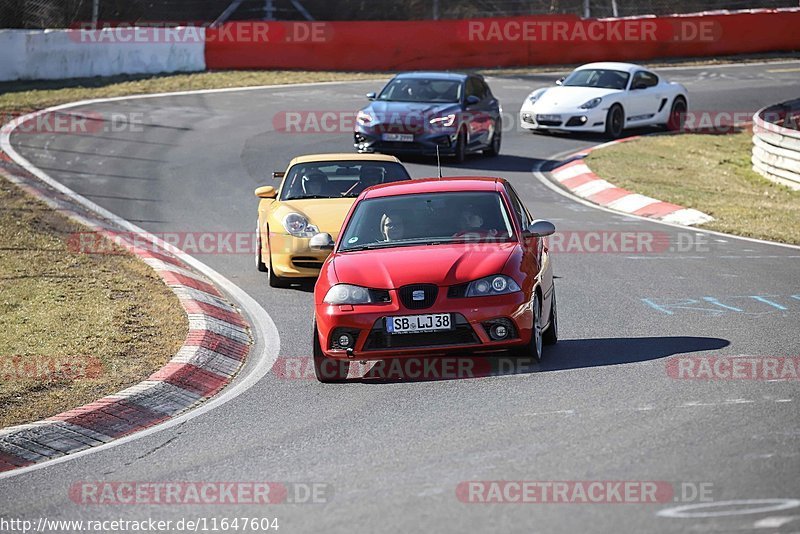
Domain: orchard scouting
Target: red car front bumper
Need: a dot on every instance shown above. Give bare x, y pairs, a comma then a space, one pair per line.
366, 324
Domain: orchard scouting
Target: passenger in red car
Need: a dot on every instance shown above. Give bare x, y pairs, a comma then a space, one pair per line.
391, 227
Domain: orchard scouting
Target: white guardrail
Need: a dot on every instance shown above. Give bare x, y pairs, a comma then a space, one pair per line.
776, 148
76, 53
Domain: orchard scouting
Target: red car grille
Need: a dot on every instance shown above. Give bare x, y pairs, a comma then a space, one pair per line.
409, 296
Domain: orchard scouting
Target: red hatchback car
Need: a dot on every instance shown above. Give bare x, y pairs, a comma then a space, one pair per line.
433, 266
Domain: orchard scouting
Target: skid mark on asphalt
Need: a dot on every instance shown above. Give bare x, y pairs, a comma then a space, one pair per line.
555, 412
774, 522
727, 257
729, 508
647, 408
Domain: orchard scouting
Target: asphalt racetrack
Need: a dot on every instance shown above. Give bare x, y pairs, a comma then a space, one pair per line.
601, 406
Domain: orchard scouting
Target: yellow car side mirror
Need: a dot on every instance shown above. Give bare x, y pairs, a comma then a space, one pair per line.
266, 191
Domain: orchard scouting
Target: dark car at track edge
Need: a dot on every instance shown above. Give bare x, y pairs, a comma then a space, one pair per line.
418, 112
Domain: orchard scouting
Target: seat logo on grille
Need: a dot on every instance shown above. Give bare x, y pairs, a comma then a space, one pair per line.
418, 295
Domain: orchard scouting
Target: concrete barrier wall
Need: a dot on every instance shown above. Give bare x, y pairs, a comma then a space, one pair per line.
392, 45
496, 42
58, 54
776, 149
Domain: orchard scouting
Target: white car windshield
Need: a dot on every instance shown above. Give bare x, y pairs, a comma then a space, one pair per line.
605, 79
427, 219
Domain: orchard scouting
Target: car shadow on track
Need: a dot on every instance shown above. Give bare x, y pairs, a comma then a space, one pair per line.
579, 353
475, 162
305, 285
567, 354
504, 163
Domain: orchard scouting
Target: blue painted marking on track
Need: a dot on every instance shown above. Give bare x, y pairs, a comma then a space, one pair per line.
723, 305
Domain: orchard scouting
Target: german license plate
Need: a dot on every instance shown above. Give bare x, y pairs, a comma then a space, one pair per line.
403, 138
412, 324
548, 117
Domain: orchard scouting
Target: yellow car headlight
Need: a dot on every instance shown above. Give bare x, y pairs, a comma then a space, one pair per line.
298, 226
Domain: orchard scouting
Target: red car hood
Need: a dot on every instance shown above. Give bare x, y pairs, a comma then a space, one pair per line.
442, 265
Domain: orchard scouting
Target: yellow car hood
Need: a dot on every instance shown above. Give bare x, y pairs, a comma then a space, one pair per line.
327, 214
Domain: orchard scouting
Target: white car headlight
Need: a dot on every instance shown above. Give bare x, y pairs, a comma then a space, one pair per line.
534, 96
298, 226
447, 120
591, 104
365, 119
491, 285
350, 294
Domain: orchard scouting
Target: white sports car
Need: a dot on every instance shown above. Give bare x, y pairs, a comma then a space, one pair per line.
606, 97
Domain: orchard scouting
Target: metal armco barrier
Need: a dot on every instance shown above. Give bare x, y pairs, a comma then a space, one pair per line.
776, 148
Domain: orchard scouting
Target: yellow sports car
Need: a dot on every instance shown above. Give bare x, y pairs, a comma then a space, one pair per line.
315, 195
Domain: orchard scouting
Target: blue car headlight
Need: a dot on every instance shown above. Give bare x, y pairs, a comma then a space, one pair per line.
445, 121
365, 118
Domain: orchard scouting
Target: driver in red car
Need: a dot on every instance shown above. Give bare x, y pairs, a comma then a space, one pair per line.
472, 225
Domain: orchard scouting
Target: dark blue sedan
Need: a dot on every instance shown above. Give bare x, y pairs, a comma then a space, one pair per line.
419, 111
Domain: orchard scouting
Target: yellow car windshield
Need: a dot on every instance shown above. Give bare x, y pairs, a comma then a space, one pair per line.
338, 179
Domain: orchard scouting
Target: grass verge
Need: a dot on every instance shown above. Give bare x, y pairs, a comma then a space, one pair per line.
711, 173
19, 97
73, 327
77, 327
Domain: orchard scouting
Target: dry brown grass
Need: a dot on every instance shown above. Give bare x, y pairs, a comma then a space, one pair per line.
711, 173
57, 306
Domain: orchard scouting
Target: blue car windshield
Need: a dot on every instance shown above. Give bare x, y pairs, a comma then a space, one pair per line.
427, 219
605, 79
421, 90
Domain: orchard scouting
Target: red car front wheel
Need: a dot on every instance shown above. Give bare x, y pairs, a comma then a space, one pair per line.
534, 347
328, 370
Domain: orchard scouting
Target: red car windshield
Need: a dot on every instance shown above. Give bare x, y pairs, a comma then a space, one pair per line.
427, 219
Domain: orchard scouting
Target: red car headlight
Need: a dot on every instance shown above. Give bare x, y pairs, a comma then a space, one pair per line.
492, 285
350, 294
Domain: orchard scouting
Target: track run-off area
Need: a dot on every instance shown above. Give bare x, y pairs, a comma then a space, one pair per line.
604, 404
